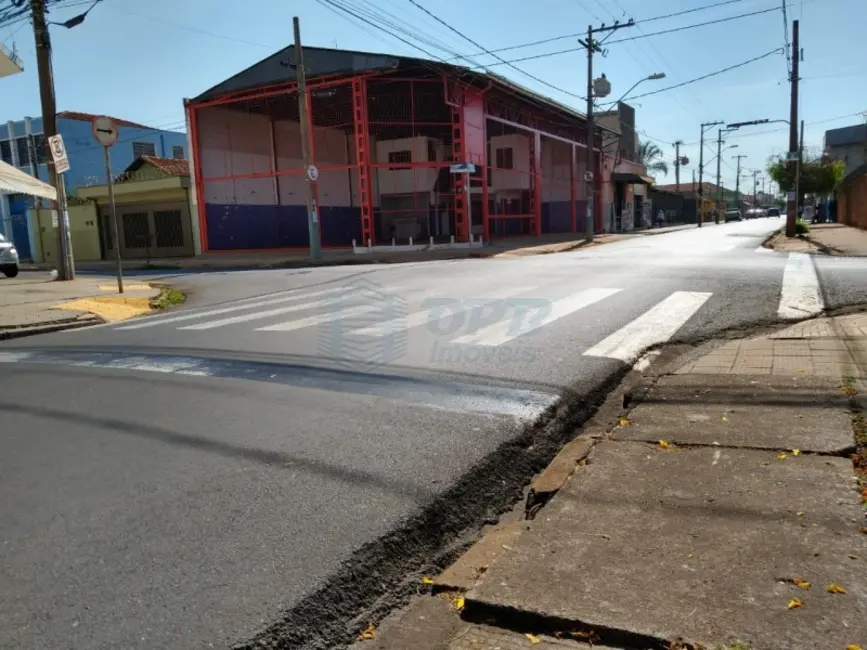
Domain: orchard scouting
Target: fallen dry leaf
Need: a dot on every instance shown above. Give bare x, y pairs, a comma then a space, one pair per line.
802, 584
795, 603
459, 603
835, 589
426, 581
534, 640
796, 452
800, 514
852, 556
664, 444
863, 529
725, 419
782, 456
765, 463
852, 646
369, 633
624, 422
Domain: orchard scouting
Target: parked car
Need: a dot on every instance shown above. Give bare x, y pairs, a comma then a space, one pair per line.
755, 213
734, 215
773, 212
8, 258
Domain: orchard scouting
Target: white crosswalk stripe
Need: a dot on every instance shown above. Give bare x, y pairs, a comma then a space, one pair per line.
656, 325
257, 315
415, 319
513, 325
318, 319
800, 295
163, 320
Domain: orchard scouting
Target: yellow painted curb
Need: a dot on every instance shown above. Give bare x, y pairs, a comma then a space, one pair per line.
127, 287
110, 308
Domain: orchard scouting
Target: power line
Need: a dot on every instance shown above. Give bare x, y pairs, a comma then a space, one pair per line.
707, 76
467, 38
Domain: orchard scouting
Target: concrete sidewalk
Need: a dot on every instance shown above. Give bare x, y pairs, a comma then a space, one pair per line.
229, 260
825, 239
722, 508
33, 303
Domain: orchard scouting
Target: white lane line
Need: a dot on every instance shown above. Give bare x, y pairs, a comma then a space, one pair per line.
418, 318
318, 319
763, 249
159, 320
800, 296
656, 325
334, 303
531, 316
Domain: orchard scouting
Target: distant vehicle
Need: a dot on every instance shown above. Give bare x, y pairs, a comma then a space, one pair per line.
755, 213
8, 258
773, 212
734, 215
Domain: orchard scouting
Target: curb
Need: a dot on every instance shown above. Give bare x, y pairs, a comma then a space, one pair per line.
47, 328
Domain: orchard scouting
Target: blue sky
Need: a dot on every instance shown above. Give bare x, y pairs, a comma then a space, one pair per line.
137, 59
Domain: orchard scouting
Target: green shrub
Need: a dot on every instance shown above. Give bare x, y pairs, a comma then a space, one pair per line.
801, 227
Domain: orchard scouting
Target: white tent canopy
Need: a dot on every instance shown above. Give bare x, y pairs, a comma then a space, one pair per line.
13, 181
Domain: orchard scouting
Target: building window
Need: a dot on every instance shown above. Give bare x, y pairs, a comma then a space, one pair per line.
41, 150
399, 158
23, 146
140, 149
177, 152
431, 151
5, 151
505, 158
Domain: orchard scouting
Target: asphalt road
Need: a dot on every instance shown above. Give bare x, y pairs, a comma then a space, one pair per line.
194, 478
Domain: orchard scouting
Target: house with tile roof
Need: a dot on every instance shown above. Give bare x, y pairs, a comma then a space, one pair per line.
22, 146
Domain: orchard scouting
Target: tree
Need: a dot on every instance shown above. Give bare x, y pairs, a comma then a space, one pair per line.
820, 176
650, 156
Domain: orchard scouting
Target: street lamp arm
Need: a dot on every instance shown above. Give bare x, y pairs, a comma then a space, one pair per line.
653, 77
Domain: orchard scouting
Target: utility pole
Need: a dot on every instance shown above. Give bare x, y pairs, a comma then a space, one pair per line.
798, 169
719, 197
677, 165
755, 186
704, 126
66, 270
309, 167
738, 183
792, 207
592, 47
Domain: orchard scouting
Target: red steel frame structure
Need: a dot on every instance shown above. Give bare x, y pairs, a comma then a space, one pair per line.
469, 109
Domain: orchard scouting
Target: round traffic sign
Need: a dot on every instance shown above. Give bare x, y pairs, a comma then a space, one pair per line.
312, 172
588, 176
105, 131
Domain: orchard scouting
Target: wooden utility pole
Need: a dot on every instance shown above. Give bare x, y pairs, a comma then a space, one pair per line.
798, 169
738, 183
719, 195
677, 165
700, 195
66, 266
794, 168
589, 177
309, 168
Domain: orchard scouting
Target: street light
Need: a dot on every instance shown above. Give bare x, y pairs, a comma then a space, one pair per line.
654, 77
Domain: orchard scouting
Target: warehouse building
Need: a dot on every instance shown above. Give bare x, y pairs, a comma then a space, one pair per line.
385, 131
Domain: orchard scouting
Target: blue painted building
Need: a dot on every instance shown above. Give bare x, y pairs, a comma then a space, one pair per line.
22, 145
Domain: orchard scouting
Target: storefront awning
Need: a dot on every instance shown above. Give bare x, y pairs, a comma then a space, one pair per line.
13, 181
631, 177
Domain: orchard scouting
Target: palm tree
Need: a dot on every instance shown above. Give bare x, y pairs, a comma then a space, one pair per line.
650, 156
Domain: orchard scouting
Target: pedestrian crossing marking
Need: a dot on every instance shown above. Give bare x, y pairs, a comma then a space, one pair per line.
189, 315
656, 325
232, 320
318, 319
514, 325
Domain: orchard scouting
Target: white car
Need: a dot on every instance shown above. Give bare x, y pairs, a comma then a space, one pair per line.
8, 258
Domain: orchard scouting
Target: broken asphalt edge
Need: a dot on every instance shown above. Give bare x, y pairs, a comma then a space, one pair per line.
630, 391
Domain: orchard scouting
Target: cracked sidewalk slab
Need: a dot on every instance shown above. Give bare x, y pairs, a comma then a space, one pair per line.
765, 412
697, 543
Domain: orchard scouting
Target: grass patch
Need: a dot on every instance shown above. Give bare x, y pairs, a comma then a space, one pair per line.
168, 297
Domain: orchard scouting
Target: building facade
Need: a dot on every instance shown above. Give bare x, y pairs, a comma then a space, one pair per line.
386, 131
22, 145
848, 144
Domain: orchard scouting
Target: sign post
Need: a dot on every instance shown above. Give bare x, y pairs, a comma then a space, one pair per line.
467, 169
105, 133
61, 165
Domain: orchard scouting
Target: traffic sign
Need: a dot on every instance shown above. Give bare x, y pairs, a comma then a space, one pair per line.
312, 173
104, 130
462, 168
58, 153
588, 176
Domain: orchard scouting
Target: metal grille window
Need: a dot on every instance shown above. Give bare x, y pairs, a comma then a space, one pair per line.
41, 150
23, 146
505, 158
143, 149
399, 158
168, 227
5, 151
135, 230
177, 152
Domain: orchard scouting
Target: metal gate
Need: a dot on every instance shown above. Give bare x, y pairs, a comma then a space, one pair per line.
147, 231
